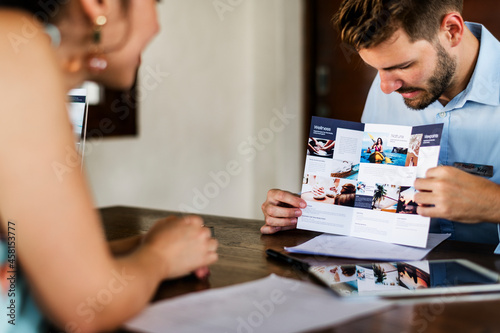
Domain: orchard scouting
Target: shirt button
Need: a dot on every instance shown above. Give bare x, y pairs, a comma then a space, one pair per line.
442, 114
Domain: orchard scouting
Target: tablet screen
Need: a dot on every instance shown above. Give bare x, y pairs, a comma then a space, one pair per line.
77, 109
405, 278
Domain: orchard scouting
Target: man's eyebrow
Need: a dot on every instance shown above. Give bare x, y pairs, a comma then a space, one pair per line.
401, 65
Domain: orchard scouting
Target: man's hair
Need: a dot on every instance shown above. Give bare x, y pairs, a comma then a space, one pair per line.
366, 23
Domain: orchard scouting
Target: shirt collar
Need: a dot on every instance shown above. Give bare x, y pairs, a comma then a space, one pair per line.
484, 85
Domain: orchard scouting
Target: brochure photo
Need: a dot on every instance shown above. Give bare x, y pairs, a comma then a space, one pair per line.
358, 179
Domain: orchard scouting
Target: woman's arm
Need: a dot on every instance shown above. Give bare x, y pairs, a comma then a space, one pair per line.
125, 245
61, 246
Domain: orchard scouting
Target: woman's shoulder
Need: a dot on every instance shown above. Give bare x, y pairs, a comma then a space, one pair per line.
27, 58
23, 40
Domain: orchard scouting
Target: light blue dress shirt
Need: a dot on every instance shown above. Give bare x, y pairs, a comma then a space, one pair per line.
471, 132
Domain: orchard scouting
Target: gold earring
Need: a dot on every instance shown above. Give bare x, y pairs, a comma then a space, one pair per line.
97, 61
100, 21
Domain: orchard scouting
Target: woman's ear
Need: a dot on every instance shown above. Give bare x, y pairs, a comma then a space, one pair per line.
95, 8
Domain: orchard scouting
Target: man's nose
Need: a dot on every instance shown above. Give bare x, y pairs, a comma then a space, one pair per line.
389, 82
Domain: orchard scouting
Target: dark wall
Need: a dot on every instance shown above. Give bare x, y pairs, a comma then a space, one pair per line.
338, 81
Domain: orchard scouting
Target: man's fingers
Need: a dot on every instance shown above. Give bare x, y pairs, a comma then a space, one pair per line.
423, 184
280, 222
267, 229
274, 225
445, 172
277, 197
424, 198
281, 212
428, 211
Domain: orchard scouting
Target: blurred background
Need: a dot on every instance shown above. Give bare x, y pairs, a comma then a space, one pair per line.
221, 108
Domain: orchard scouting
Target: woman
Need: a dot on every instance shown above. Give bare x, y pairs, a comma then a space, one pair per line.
377, 146
59, 241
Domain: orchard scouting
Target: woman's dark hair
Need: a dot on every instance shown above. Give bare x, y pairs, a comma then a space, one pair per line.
31, 6
45, 11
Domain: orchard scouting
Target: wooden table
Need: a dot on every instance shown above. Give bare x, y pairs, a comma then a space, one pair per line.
242, 259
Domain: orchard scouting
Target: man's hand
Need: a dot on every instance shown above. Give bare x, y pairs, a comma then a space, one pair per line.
450, 193
281, 211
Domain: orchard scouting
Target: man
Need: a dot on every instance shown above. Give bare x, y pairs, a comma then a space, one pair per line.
432, 68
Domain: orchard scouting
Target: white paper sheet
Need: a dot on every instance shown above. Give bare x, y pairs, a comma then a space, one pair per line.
272, 304
352, 247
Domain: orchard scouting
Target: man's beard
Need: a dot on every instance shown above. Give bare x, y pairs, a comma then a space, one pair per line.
438, 83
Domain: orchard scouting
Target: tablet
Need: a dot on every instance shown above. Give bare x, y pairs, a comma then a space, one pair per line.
402, 279
78, 110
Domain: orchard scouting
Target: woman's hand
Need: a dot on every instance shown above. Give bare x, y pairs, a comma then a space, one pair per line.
182, 246
281, 211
